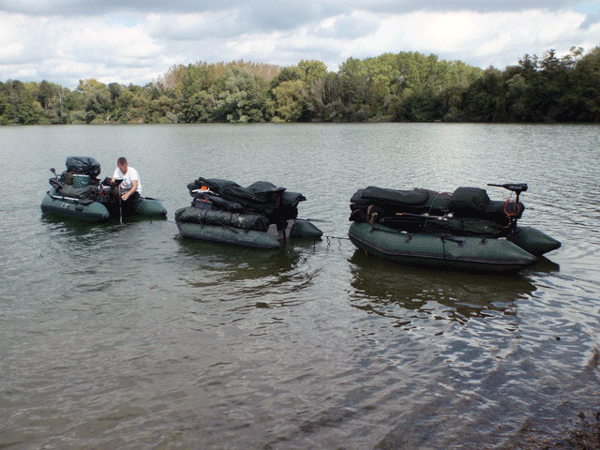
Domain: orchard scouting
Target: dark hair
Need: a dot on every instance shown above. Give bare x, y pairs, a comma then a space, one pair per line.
122, 160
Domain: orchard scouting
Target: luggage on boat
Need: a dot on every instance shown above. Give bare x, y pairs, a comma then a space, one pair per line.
223, 218
415, 206
261, 197
83, 165
260, 215
78, 193
467, 216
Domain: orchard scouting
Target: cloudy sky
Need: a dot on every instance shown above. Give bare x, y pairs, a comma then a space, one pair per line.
137, 41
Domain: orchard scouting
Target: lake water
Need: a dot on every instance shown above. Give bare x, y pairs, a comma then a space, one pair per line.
125, 336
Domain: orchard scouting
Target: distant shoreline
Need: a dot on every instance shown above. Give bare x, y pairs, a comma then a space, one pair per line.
404, 87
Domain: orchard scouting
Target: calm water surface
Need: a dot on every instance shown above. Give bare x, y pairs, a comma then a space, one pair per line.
125, 336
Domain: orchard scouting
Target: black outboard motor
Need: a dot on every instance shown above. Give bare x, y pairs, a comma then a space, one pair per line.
56, 182
516, 188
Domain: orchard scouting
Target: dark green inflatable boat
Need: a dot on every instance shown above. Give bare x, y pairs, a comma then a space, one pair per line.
102, 209
463, 230
260, 216
78, 194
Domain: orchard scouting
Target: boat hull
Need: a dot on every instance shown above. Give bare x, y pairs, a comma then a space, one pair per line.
94, 211
472, 254
150, 207
228, 236
141, 207
267, 240
533, 240
55, 204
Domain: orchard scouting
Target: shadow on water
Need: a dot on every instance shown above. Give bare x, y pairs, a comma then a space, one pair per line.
98, 241
258, 263
543, 266
83, 231
75, 223
394, 291
267, 277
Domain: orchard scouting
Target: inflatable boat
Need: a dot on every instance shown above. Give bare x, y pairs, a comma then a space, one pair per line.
462, 230
78, 194
420, 249
260, 216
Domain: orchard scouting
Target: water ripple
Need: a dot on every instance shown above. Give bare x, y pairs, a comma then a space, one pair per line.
126, 336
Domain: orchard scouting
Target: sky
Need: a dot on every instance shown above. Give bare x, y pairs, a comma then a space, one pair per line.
138, 41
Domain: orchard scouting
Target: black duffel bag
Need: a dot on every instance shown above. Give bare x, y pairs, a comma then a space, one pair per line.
83, 165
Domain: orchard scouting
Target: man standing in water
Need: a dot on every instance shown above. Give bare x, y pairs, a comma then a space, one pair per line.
131, 186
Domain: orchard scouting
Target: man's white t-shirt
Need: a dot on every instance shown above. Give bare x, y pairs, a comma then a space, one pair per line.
128, 178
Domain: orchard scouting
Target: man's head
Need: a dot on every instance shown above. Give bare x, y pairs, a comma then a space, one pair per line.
122, 163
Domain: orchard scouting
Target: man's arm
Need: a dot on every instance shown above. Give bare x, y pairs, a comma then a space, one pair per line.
134, 185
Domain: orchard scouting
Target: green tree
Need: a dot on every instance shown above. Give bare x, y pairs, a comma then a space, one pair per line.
46, 92
199, 107
97, 100
196, 103
288, 101
312, 70
517, 94
585, 100
357, 84
325, 102
481, 101
115, 90
292, 73
238, 97
21, 105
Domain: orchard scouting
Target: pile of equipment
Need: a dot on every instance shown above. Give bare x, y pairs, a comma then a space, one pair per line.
78, 193
463, 229
260, 215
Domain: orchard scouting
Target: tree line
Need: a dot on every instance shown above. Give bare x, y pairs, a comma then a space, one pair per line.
407, 86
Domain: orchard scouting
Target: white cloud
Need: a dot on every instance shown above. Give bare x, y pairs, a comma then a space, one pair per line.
482, 39
10, 51
196, 26
136, 46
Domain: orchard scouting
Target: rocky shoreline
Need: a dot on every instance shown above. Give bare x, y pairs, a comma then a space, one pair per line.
582, 434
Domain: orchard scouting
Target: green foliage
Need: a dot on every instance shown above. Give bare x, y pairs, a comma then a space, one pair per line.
239, 97
288, 96
407, 86
19, 103
288, 101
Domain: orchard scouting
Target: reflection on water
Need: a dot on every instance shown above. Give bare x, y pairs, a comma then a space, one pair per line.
408, 295
73, 227
240, 263
125, 336
264, 278
88, 243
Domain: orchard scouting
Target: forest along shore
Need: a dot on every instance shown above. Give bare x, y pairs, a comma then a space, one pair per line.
403, 87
